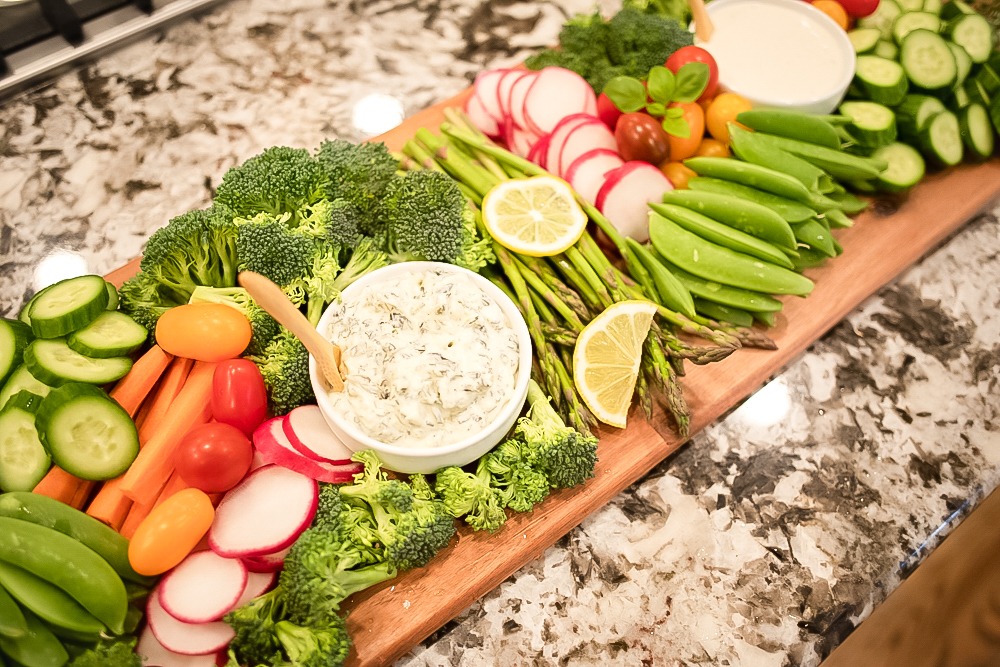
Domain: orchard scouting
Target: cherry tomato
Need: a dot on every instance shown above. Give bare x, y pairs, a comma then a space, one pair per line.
203, 331
607, 111
238, 395
213, 457
678, 174
722, 111
696, 54
859, 8
170, 532
834, 10
681, 148
712, 148
641, 137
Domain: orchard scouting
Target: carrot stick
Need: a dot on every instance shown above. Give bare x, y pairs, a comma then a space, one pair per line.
59, 485
152, 468
135, 516
82, 495
110, 505
171, 385
131, 390
174, 484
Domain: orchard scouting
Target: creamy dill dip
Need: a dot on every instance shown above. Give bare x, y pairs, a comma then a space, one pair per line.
429, 358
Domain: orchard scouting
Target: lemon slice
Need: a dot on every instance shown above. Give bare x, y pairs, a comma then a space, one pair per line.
606, 359
534, 216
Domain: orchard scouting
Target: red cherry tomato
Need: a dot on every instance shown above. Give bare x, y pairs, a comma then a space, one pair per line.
859, 8
213, 457
696, 54
607, 111
641, 137
238, 395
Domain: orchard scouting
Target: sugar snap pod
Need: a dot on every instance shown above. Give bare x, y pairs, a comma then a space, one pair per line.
746, 216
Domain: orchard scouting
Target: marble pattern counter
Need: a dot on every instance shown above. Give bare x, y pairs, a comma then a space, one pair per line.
761, 542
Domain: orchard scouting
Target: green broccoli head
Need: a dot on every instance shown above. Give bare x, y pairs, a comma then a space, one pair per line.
325, 646
263, 327
284, 365
677, 10
519, 484
566, 456
279, 180
421, 215
365, 258
141, 297
335, 222
373, 486
477, 252
357, 173
109, 654
639, 41
196, 248
421, 487
266, 245
255, 642
471, 496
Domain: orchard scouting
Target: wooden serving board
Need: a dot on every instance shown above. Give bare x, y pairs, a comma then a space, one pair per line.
876, 249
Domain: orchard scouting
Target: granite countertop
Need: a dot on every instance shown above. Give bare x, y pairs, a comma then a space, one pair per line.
762, 542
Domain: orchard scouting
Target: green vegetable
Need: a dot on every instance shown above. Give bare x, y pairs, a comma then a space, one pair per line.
906, 167
12, 623
791, 124
881, 80
118, 653
791, 211
315, 647
48, 602
752, 175
519, 483
38, 647
22, 380
746, 216
672, 292
471, 496
872, 125
357, 173
280, 180
67, 306
941, 139
726, 295
284, 365
816, 236
23, 459
53, 362
977, 133
111, 334
267, 244
718, 312
14, 337
753, 147
837, 163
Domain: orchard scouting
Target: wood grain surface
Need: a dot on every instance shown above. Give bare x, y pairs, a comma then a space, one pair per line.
388, 620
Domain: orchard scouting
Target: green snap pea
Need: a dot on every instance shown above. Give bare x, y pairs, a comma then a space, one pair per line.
12, 622
48, 602
720, 313
726, 295
53, 514
70, 636
744, 215
837, 219
753, 175
816, 236
836, 120
767, 319
791, 124
37, 648
749, 146
68, 564
837, 163
837, 248
724, 235
792, 211
847, 202
809, 258
714, 262
672, 292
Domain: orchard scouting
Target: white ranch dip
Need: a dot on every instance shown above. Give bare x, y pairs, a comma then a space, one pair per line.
430, 359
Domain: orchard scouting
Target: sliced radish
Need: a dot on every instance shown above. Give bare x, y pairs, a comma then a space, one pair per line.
310, 435
555, 94
186, 638
518, 92
626, 191
584, 137
155, 655
538, 151
258, 583
203, 587
507, 82
264, 513
481, 118
486, 89
586, 173
257, 461
267, 562
520, 141
592, 107
558, 137
275, 447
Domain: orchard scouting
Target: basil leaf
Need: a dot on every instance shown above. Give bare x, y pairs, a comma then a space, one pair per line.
661, 84
627, 93
677, 127
674, 112
691, 81
656, 109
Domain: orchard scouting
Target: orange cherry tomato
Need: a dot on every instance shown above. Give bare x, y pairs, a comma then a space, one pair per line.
203, 331
724, 109
681, 148
712, 148
171, 531
678, 174
834, 10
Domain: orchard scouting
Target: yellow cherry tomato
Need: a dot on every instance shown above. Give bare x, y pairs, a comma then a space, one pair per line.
712, 148
834, 10
724, 109
171, 531
678, 174
681, 148
203, 331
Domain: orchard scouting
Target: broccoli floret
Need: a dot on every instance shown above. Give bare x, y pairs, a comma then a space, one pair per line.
284, 365
373, 486
331, 221
566, 456
141, 298
263, 327
639, 41
421, 217
196, 248
471, 496
677, 10
421, 487
476, 252
113, 654
279, 180
256, 642
357, 173
325, 646
519, 484
266, 245
365, 259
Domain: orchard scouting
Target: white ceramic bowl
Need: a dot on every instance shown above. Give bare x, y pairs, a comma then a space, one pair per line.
783, 54
430, 459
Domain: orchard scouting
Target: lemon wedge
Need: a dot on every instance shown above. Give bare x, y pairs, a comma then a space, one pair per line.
535, 216
606, 359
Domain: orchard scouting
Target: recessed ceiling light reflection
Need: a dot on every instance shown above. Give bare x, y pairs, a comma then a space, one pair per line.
59, 265
377, 113
768, 406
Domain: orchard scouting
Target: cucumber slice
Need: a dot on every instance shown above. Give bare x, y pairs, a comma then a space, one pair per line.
88, 434
963, 63
989, 80
959, 98
720, 313
973, 33
53, 362
872, 124
906, 167
910, 21
911, 5
927, 60
882, 18
933, 6
995, 114
941, 140
881, 80
67, 306
912, 115
14, 337
22, 380
112, 296
112, 334
953, 8
886, 49
864, 39
976, 93
977, 133
23, 459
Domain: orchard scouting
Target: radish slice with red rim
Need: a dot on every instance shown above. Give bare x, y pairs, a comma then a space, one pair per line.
626, 191
267, 562
486, 89
503, 89
587, 172
520, 141
311, 436
518, 92
155, 655
481, 118
538, 151
203, 587
185, 638
555, 94
558, 137
264, 513
585, 137
275, 447
258, 583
